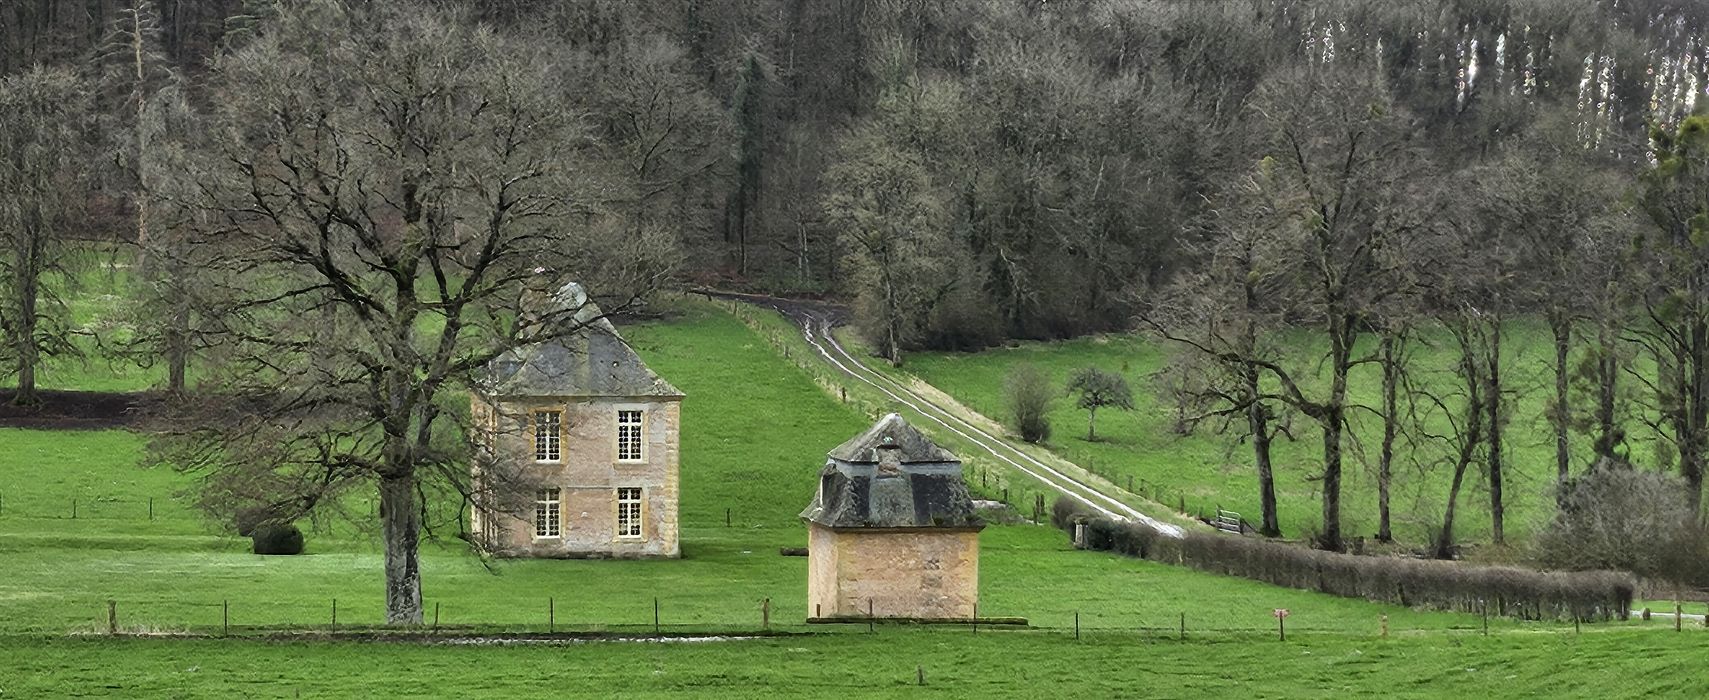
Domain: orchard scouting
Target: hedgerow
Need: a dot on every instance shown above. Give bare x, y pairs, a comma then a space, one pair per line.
1418, 583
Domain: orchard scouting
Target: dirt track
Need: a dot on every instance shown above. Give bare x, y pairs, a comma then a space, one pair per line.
818, 319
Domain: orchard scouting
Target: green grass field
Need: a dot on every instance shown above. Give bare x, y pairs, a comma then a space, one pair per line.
886, 664
755, 432
1212, 467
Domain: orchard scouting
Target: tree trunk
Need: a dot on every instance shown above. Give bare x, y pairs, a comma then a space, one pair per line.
1471, 435
1562, 327
1334, 420
1330, 538
25, 279
1492, 403
400, 522
177, 349
1445, 537
1385, 457
1607, 385
1091, 424
1694, 432
1258, 420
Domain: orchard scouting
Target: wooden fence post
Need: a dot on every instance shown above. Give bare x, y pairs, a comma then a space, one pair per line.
151, 509
73, 509
335, 614
225, 618
765, 615
112, 617
655, 616
551, 615
1076, 624
869, 628
436, 618
1183, 625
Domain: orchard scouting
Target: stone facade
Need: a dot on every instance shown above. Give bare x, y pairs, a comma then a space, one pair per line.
925, 574
577, 444
587, 476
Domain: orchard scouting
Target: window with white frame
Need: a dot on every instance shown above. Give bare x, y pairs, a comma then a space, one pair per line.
548, 515
548, 436
629, 512
629, 436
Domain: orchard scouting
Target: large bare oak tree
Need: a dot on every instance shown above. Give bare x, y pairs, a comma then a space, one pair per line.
386, 187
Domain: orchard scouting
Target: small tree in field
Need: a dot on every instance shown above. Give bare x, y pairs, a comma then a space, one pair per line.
1029, 396
1097, 389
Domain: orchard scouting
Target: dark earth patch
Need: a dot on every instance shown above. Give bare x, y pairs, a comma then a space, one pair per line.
75, 410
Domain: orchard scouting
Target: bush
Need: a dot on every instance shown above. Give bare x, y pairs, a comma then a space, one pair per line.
274, 538
1063, 511
1618, 517
1441, 585
1029, 395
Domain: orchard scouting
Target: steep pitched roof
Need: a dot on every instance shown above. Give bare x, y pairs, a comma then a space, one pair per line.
892, 476
593, 361
914, 447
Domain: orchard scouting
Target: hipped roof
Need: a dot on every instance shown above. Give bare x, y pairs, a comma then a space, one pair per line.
591, 361
859, 488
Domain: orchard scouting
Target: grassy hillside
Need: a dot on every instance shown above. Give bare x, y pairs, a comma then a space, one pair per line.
755, 431
1212, 466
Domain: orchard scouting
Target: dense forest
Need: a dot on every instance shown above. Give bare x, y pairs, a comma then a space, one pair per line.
1053, 153
1348, 175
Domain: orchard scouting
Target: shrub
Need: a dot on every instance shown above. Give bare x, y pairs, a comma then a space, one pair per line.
1063, 512
276, 538
1029, 395
1441, 585
1617, 517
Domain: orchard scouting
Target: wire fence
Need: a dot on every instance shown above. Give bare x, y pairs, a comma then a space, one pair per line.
84, 508
551, 618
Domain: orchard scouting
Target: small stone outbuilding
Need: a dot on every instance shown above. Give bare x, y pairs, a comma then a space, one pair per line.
587, 437
892, 530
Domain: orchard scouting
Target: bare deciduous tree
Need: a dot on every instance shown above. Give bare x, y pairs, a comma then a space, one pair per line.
387, 185
41, 111
1342, 167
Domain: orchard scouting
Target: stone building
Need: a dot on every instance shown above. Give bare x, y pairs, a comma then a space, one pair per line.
586, 437
891, 530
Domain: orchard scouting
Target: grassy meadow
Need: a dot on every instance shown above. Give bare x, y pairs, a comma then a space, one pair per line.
755, 431
1212, 466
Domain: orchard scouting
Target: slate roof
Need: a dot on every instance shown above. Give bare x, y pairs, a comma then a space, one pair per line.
593, 361
889, 477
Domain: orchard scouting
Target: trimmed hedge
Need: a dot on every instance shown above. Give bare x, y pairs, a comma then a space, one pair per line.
283, 539
1417, 583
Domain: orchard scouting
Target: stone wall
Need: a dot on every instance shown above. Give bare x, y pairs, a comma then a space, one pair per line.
901, 573
588, 477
